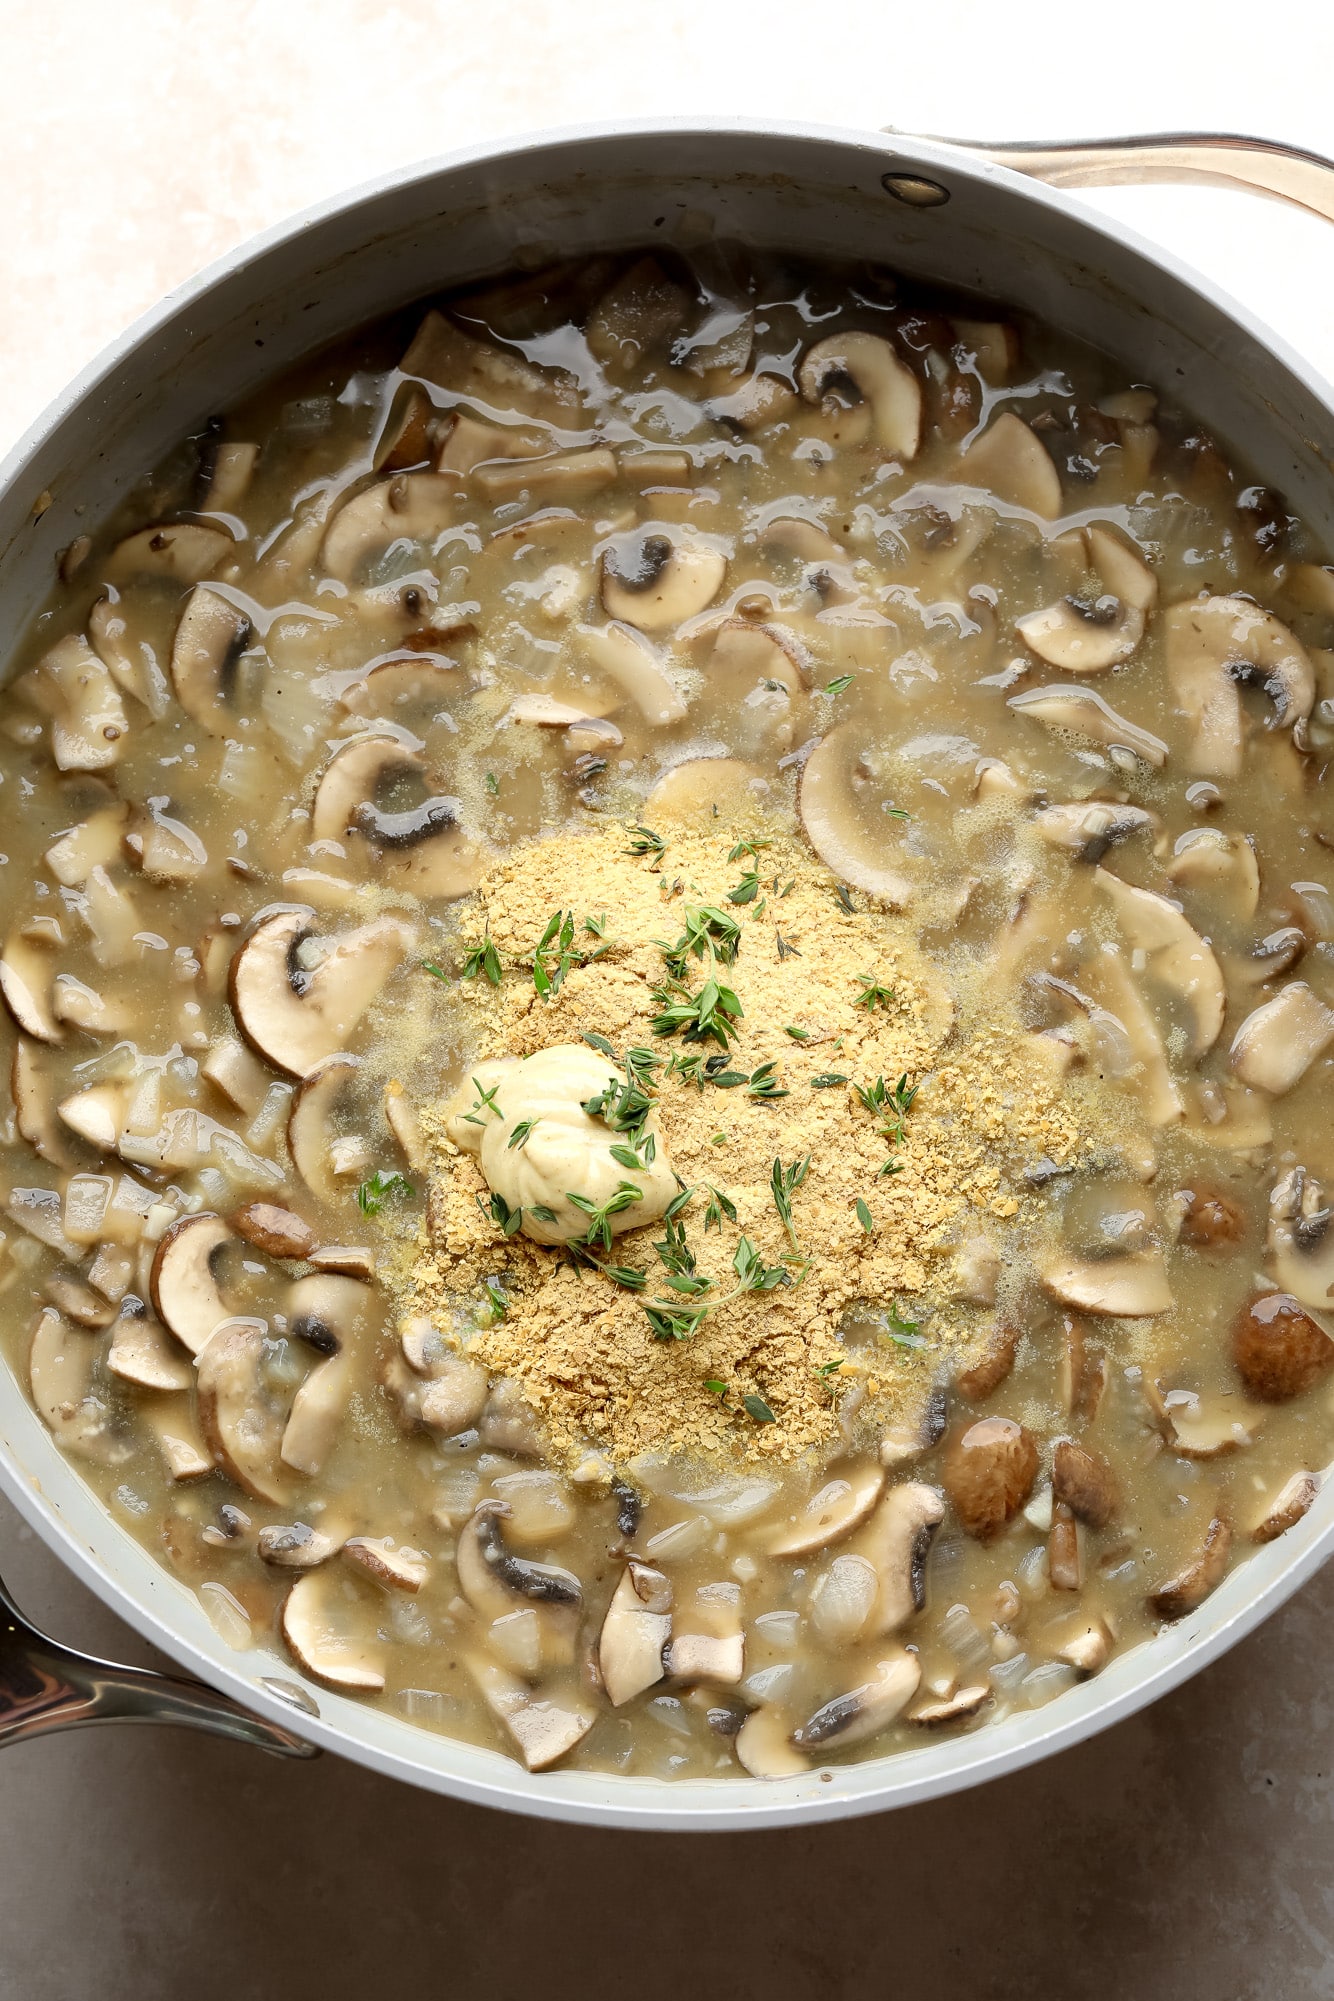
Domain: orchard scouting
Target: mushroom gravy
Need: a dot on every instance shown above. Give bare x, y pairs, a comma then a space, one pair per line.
1042, 683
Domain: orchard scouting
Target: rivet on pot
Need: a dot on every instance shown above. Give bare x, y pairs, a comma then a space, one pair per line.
915, 190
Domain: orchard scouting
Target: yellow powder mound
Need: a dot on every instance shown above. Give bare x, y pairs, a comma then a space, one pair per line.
989, 1100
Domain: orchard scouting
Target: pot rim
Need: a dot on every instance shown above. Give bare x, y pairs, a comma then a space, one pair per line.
53, 1496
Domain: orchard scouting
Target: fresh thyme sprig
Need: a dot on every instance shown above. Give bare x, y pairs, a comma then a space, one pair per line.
483, 958
521, 1134
890, 1104
373, 1193
747, 889
643, 841
625, 1103
670, 1320
709, 1015
549, 969
484, 1102
599, 1214
783, 1185
709, 933
873, 995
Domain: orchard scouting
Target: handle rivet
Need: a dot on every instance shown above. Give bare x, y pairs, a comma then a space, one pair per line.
914, 190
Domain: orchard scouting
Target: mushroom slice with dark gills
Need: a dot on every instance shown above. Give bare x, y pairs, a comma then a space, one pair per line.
1215, 643
1089, 827
1278, 1350
1301, 1240
210, 638
325, 1155
896, 1542
296, 1546
866, 365
297, 997
413, 508
451, 1392
1010, 461
366, 794
863, 1711
635, 1631
1090, 630
183, 1282
496, 1582
844, 805
328, 1314
240, 1414
653, 580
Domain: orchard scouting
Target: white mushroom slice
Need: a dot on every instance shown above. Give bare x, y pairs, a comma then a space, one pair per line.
1212, 644
896, 1543
88, 721
142, 1352
77, 1301
1128, 1288
1109, 979
635, 1631
1287, 1507
835, 1511
95, 843
225, 473
26, 980
704, 791
764, 1747
421, 848
466, 443
298, 1016
1089, 827
545, 1731
556, 478
1010, 461
185, 552
239, 1415
629, 661
654, 582
866, 1710
1208, 860
182, 1287
545, 712
35, 1114
83, 1007
442, 353
495, 1582
1301, 1240
210, 636
456, 1389
838, 807
317, 1413
165, 849
311, 1128
315, 1628
757, 400
1084, 713
172, 1424
396, 1567
296, 1546
746, 656
412, 507
992, 345
1277, 1043
883, 381
1177, 956
952, 1708
1083, 635
1121, 565
349, 1260
60, 1376
719, 1658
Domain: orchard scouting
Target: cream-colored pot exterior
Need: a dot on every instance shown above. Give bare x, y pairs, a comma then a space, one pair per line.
477, 213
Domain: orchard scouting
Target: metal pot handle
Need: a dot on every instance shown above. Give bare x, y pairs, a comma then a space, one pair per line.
1209, 159
44, 1686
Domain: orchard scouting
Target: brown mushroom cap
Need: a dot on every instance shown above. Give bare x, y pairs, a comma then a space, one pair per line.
1191, 1586
1084, 1482
274, 1230
1212, 1221
1278, 1350
989, 1472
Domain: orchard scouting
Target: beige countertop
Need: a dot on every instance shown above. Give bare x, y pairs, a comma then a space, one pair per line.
1186, 1855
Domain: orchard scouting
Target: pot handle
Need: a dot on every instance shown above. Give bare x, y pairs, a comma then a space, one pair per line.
44, 1686
1209, 159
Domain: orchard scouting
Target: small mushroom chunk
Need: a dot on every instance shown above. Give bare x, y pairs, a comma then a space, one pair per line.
313, 1134
509, 1422
182, 1284
1286, 1508
1176, 956
211, 636
143, 1353
896, 1543
746, 656
977, 1382
419, 847
1210, 1220
182, 552
406, 440
1278, 1350
764, 1747
88, 721
989, 1473
1086, 633
702, 790
1084, 712
496, 1582
1063, 1555
412, 507
863, 1712
79, 1302
1127, 1288
867, 363
1010, 461
1219, 866
840, 800
33, 1088
296, 1546
171, 1422
455, 1396
1083, 1482
60, 1375
319, 1625
654, 582
544, 1730
707, 1642
297, 998
956, 1708
26, 981
1301, 1240
394, 1566
1089, 827
1189, 1588
839, 1507
241, 1418
1280, 1040
276, 1231
1087, 1648
1212, 644
317, 1411
635, 1630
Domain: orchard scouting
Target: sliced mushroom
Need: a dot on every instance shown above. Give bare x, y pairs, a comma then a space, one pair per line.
764, 1746
1279, 1041
317, 1411
60, 1375
1083, 1481
834, 1512
989, 1473
35, 1115
1210, 1221
395, 1566
94, 843
1087, 1648
715, 1657
1286, 1507
1089, 827
312, 1134
182, 1285
654, 582
986, 1375
88, 721
757, 400
184, 552
956, 1708
1278, 1350
635, 1630
1083, 712
26, 980
77, 1301
866, 1710
1064, 1567
407, 437
629, 661
211, 635
1219, 864
495, 1581
1086, 633
142, 1352
880, 378
421, 848
1010, 461
456, 1389
704, 791
837, 804
241, 1419
1177, 957
299, 1016
1191, 1586
1109, 979
1212, 644
296, 1546
172, 1423
466, 442
897, 1543
414, 507
544, 1730
1126, 1288
1197, 1427
315, 1628
275, 1231
554, 479
746, 655
1301, 1240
